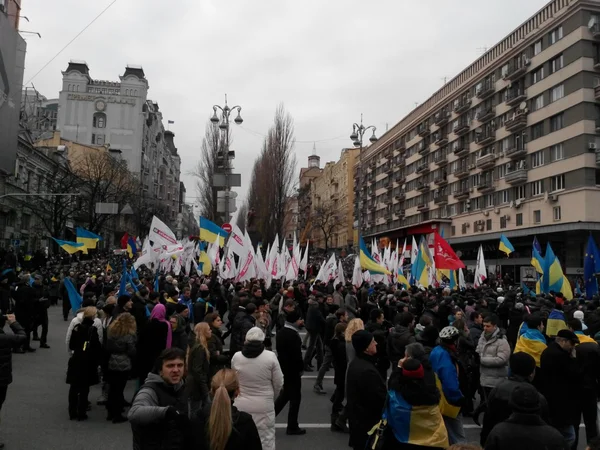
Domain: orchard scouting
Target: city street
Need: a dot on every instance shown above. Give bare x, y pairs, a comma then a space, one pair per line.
35, 417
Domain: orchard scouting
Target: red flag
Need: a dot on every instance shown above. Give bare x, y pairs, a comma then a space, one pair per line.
124, 240
445, 258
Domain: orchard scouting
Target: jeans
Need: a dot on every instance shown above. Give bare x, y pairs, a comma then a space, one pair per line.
568, 432
456, 432
327, 362
315, 343
292, 393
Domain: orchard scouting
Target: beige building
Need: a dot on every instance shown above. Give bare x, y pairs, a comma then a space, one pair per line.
332, 200
307, 175
509, 146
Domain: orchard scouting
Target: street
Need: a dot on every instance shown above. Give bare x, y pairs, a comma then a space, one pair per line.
34, 416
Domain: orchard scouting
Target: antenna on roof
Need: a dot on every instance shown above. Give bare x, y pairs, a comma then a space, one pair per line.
314, 148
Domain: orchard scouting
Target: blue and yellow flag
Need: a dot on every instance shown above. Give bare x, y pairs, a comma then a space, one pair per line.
87, 238
422, 264
74, 297
532, 342
210, 230
505, 245
367, 262
131, 246
556, 322
70, 247
402, 280
108, 268
204, 263
554, 279
416, 425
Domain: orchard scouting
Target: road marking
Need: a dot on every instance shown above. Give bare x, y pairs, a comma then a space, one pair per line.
329, 377
305, 425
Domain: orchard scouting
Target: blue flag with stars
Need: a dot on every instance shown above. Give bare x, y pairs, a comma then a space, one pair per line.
591, 265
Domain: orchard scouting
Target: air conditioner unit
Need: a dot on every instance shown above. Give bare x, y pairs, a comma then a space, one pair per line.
486, 213
554, 198
507, 218
511, 204
592, 146
518, 203
497, 211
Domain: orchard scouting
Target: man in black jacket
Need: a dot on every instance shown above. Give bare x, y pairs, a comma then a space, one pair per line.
138, 309
379, 328
365, 390
289, 354
335, 316
315, 324
243, 321
400, 336
42, 303
24, 297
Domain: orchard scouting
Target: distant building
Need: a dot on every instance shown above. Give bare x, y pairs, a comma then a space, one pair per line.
290, 220
39, 115
307, 175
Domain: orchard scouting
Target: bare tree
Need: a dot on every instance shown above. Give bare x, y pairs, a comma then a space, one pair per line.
213, 146
242, 216
326, 220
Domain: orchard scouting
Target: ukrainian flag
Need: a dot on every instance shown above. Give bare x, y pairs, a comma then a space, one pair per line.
74, 296
505, 245
556, 322
87, 238
554, 279
416, 425
70, 247
583, 339
204, 263
131, 246
108, 267
368, 263
402, 280
210, 230
422, 263
531, 342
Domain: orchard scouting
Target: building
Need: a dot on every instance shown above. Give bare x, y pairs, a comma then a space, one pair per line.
307, 175
12, 64
290, 221
332, 197
39, 115
119, 115
507, 146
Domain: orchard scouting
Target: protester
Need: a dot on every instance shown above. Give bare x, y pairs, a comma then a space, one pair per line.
153, 339
218, 359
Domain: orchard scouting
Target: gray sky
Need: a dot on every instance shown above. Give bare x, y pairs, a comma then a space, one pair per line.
328, 61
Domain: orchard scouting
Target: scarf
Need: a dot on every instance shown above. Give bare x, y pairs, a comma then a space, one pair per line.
159, 312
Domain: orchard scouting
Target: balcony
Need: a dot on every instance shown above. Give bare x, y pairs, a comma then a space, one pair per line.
423, 168
399, 213
598, 126
516, 152
485, 138
424, 149
461, 171
515, 97
441, 118
597, 151
442, 180
440, 160
516, 69
400, 196
516, 177
485, 186
597, 87
517, 122
400, 146
401, 161
440, 199
462, 193
388, 169
486, 114
422, 187
423, 130
372, 206
595, 30
400, 180
461, 149
441, 139
423, 207
487, 89
461, 128
486, 161
462, 105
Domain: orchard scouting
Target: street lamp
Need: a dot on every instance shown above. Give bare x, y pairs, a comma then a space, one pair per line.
223, 121
358, 132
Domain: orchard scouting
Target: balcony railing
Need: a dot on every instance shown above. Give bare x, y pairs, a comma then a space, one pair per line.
461, 128
517, 122
517, 68
461, 149
485, 185
515, 97
422, 187
441, 139
423, 207
441, 118
462, 105
423, 130
462, 193
486, 89
441, 180
486, 161
487, 137
423, 168
440, 160
400, 196
461, 171
424, 149
486, 114
516, 152
440, 199
516, 177
595, 30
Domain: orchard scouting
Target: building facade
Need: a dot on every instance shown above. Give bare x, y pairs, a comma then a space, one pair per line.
307, 175
290, 221
332, 197
507, 146
39, 115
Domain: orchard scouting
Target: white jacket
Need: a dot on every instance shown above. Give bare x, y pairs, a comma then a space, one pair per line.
261, 381
76, 321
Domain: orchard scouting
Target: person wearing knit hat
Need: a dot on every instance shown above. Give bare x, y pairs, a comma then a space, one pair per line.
525, 428
365, 390
124, 304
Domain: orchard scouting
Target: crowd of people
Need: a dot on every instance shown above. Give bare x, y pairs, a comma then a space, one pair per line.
215, 361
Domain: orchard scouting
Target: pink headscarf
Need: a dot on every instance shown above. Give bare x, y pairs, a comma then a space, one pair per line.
159, 312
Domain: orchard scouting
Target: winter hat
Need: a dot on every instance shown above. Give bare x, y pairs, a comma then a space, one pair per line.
412, 368
578, 315
431, 304
522, 364
519, 306
525, 399
429, 334
122, 300
361, 340
255, 334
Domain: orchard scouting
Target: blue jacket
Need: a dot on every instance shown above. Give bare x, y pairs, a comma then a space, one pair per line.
447, 373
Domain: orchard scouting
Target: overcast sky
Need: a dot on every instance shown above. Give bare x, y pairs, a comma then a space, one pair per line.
328, 61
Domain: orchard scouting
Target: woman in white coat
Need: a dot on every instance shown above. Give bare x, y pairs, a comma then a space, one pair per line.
261, 381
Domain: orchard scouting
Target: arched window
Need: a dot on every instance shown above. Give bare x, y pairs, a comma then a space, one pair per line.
99, 120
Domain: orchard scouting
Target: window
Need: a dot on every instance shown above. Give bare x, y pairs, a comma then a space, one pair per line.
98, 139
25, 221
501, 171
488, 225
504, 70
537, 130
537, 216
556, 216
557, 92
504, 196
556, 35
557, 183
557, 152
537, 188
537, 102
519, 219
537, 48
537, 159
537, 75
519, 192
557, 63
99, 120
556, 122
503, 222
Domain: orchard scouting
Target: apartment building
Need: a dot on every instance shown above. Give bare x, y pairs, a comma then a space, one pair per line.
510, 145
307, 175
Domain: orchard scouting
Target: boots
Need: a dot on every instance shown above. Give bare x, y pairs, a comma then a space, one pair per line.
338, 424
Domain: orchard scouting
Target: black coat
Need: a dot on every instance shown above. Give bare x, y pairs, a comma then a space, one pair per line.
340, 361
198, 374
315, 322
525, 431
244, 434
152, 341
218, 360
138, 311
588, 360
365, 394
560, 378
24, 296
87, 354
397, 341
7, 343
289, 354
498, 408
241, 325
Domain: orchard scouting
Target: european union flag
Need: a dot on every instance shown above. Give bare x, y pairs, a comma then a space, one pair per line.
591, 264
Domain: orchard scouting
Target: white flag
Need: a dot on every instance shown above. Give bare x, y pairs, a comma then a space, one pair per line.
304, 262
357, 279
236, 241
461, 280
340, 273
480, 270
